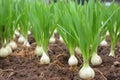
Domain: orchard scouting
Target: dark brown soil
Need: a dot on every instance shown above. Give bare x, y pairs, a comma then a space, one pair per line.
23, 64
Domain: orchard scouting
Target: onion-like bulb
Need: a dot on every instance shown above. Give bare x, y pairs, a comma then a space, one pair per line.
39, 50
55, 31
61, 39
9, 49
96, 59
77, 50
103, 43
107, 33
72, 60
86, 73
26, 43
13, 45
17, 33
52, 39
112, 53
4, 52
21, 39
29, 32
44, 59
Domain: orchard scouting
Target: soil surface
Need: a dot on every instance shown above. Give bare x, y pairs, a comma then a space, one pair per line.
23, 64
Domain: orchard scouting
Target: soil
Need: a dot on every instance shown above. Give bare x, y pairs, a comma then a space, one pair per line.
23, 64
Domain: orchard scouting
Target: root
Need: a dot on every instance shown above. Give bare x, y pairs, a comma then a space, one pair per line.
100, 73
41, 75
11, 74
73, 68
79, 59
50, 50
60, 55
58, 63
7, 70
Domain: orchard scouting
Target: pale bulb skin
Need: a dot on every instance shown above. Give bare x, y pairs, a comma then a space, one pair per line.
107, 33
13, 45
4, 52
14, 37
5, 42
29, 32
86, 73
26, 43
55, 31
112, 53
103, 43
44, 59
77, 50
9, 49
72, 61
61, 39
52, 39
96, 59
17, 33
21, 39
39, 50
19, 28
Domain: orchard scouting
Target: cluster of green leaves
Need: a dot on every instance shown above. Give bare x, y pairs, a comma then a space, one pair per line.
22, 20
82, 24
42, 20
79, 25
7, 20
65, 26
114, 26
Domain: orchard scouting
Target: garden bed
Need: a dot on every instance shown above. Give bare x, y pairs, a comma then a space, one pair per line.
23, 64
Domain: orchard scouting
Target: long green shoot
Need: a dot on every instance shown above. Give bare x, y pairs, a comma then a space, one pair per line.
41, 17
114, 28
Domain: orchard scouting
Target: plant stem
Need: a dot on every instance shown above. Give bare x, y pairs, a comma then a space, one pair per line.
85, 62
112, 50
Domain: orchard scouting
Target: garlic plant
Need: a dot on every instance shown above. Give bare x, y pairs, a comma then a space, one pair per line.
41, 17
7, 20
23, 21
96, 59
114, 29
65, 27
83, 23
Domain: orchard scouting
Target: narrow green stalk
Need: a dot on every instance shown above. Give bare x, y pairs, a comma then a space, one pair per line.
112, 49
85, 61
7, 18
114, 27
42, 21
